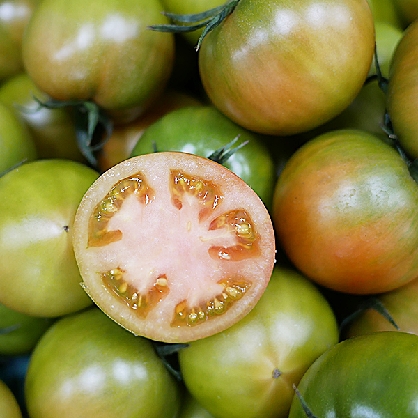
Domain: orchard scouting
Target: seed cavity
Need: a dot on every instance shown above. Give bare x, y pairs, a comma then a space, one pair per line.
239, 223
205, 191
142, 303
98, 234
233, 290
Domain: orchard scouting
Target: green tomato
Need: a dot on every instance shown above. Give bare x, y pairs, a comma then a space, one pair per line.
386, 11
16, 143
368, 376
87, 365
248, 370
402, 97
52, 130
203, 129
39, 274
19, 332
191, 408
9, 407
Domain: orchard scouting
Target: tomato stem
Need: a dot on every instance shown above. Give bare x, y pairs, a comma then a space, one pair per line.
208, 20
304, 405
88, 118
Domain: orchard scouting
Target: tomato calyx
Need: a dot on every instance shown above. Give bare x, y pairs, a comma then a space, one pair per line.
89, 120
208, 20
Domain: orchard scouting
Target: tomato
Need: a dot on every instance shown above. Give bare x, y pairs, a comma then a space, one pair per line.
201, 130
14, 16
19, 332
52, 130
39, 274
103, 52
283, 67
344, 211
249, 370
16, 142
368, 376
173, 246
107, 373
8, 404
403, 91
400, 305
119, 145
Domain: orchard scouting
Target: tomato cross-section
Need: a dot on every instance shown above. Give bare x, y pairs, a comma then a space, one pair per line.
173, 246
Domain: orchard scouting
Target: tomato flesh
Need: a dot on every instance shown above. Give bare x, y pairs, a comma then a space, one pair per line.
173, 246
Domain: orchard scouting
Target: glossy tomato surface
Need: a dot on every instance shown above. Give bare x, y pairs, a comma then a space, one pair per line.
173, 246
99, 51
283, 67
16, 143
14, 16
86, 365
53, 130
402, 98
368, 376
37, 210
345, 213
248, 370
202, 130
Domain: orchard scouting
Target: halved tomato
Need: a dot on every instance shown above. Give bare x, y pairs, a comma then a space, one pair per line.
173, 246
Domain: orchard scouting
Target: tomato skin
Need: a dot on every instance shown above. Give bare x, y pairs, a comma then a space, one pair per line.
402, 93
259, 69
346, 223
16, 142
102, 52
107, 373
201, 130
8, 404
368, 376
408, 10
119, 145
248, 371
52, 130
35, 225
22, 331
14, 16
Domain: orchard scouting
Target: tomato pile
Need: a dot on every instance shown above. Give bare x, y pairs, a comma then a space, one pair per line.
209, 209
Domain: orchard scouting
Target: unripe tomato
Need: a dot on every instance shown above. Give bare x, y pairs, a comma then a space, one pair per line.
283, 67
39, 274
88, 366
402, 97
14, 16
248, 370
373, 375
16, 143
101, 51
52, 130
344, 211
